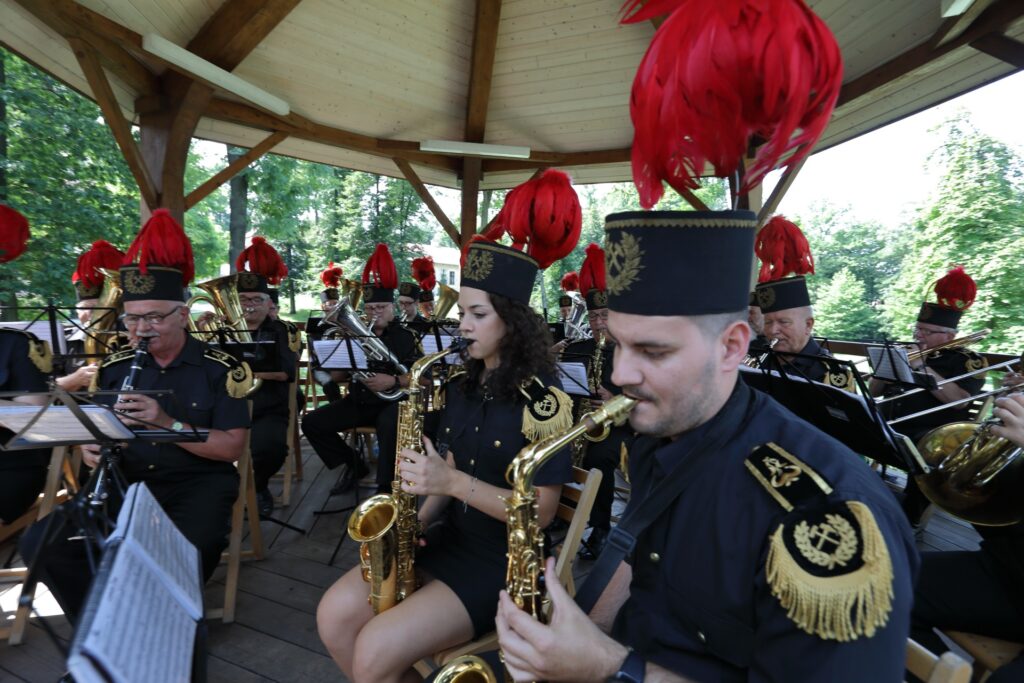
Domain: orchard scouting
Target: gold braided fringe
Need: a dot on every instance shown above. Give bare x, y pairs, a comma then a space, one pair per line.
535, 429
843, 607
40, 354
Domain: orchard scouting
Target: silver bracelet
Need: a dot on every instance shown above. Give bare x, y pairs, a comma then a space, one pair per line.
472, 488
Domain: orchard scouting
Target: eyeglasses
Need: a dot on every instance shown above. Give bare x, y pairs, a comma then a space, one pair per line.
252, 300
921, 330
131, 320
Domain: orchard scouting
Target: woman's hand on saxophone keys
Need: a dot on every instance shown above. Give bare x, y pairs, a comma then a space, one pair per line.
427, 474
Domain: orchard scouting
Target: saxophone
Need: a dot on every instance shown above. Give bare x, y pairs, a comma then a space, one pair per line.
525, 536
385, 524
587, 405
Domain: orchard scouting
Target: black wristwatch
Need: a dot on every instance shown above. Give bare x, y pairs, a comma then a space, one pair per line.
632, 669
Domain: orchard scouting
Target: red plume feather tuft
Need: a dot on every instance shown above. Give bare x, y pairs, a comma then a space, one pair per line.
544, 214
720, 73
783, 250
592, 271
571, 282
423, 272
331, 275
380, 269
102, 254
13, 234
261, 258
956, 290
163, 242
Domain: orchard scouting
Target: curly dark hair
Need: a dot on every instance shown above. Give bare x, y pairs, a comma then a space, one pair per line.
525, 350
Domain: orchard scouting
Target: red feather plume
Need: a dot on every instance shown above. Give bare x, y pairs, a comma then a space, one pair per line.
783, 250
13, 234
571, 282
102, 254
423, 272
163, 242
380, 269
592, 271
331, 275
719, 73
544, 214
261, 258
956, 289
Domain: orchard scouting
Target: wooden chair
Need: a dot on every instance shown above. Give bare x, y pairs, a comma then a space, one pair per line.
245, 508
989, 653
292, 469
949, 668
61, 468
574, 507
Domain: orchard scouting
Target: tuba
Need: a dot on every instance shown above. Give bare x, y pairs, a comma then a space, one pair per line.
446, 300
386, 525
346, 323
222, 294
102, 329
352, 291
573, 323
525, 537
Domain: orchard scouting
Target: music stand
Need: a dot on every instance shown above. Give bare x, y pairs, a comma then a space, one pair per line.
75, 424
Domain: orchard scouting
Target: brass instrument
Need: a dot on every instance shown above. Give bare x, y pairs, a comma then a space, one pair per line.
102, 327
466, 669
572, 326
352, 291
588, 404
346, 323
957, 343
525, 536
386, 525
756, 361
446, 300
222, 294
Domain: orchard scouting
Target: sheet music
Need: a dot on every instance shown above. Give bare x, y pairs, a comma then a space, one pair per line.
333, 355
573, 377
139, 631
58, 424
41, 329
881, 358
430, 345
144, 524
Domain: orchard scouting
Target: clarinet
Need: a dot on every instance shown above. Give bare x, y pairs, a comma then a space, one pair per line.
133, 373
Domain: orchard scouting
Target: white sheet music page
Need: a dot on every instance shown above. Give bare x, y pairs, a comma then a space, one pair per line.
430, 345
333, 355
573, 377
142, 523
140, 631
58, 424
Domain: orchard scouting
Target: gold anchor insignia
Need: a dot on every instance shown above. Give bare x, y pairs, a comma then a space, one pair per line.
782, 474
479, 265
831, 543
623, 263
765, 297
137, 283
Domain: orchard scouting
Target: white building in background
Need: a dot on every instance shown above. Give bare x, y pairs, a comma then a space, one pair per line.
446, 263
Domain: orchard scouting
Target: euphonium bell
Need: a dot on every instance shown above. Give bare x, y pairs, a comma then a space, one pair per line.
353, 291
446, 299
222, 294
102, 327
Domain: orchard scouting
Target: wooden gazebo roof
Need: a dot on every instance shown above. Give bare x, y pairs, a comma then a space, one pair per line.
366, 81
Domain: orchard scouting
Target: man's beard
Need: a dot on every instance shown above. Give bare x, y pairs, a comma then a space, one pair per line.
684, 413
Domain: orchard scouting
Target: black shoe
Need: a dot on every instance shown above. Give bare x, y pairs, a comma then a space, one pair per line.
265, 503
349, 478
592, 547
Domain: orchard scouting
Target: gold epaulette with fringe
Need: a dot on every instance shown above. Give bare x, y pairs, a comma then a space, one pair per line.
827, 561
548, 410
294, 336
39, 351
240, 379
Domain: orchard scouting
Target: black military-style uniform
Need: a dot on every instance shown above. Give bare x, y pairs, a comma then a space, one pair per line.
22, 473
196, 493
467, 549
776, 560
605, 455
269, 441
362, 408
948, 363
817, 369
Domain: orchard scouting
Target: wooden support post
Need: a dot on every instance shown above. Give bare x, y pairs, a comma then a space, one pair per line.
470, 189
407, 170
234, 168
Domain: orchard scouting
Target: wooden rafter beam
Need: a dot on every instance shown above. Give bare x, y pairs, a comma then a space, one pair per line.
234, 168
471, 172
108, 104
407, 170
485, 42
545, 159
237, 28
1001, 47
952, 27
778, 192
995, 19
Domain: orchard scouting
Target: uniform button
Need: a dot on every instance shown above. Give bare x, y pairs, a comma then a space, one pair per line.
447, 429
497, 444
193, 404
162, 372
152, 467
476, 429
700, 636
472, 462
655, 557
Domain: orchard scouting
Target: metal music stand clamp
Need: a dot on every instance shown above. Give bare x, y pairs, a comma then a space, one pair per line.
88, 512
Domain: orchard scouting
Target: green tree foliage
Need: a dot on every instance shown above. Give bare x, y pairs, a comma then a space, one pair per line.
841, 309
976, 220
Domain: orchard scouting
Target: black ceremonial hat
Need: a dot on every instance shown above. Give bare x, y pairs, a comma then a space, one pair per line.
252, 282
498, 269
703, 258
158, 283
781, 295
426, 295
409, 289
